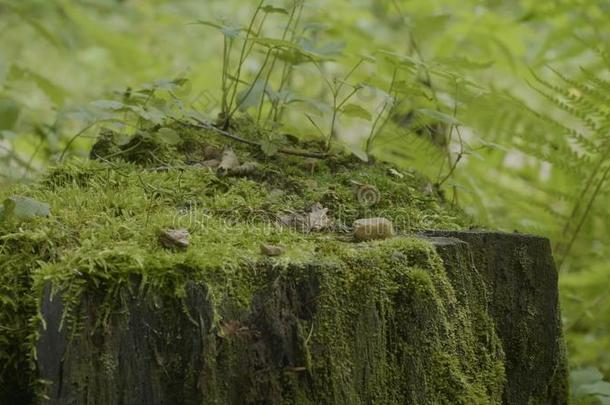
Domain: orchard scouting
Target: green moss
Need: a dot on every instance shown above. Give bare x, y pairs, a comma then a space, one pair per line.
387, 316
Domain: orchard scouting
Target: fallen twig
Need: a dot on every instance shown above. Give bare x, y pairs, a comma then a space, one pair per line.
302, 153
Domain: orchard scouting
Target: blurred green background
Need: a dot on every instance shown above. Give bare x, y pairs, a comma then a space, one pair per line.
527, 82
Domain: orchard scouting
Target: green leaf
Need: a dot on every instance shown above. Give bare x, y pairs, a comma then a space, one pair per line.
229, 32
467, 63
283, 97
274, 10
438, 116
150, 114
110, 105
9, 114
169, 84
585, 382
326, 50
367, 58
356, 111
358, 152
251, 96
209, 24
586, 375
316, 27
320, 107
23, 208
294, 57
601, 388
399, 59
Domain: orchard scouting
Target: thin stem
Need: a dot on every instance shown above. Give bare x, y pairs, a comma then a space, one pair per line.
584, 216
243, 55
328, 83
74, 138
227, 45
335, 91
398, 9
262, 100
351, 72
459, 157
287, 69
373, 133
315, 125
427, 75
31, 159
453, 165
274, 61
584, 192
336, 109
252, 85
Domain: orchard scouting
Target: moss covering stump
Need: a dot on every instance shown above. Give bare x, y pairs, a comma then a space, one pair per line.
98, 308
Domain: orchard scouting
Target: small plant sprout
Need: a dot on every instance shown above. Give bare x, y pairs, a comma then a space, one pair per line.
386, 110
340, 98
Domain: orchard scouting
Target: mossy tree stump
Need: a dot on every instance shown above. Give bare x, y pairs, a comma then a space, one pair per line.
99, 312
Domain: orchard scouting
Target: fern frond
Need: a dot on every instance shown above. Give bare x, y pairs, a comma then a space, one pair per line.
586, 89
565, 132
603, 84
567, 106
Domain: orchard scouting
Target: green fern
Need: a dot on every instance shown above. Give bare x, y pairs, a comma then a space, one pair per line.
573, 137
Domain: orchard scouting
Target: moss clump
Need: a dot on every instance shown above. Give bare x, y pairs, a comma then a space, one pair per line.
391, 324
388, 325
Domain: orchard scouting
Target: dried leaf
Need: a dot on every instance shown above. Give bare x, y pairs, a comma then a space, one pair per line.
317, 218
229, 160
356, 111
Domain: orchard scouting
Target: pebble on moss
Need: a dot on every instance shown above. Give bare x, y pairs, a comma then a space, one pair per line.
271, 250
373, 228
177, 239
